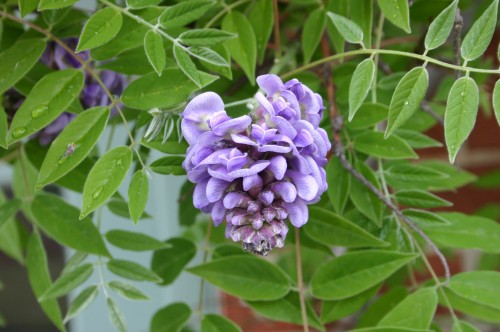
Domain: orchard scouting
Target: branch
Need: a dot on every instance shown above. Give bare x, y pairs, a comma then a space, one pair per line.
277, 37
427, 109
338, 150
300, 280
457, 41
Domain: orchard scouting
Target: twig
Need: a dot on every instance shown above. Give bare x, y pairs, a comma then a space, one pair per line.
457, 41
300, 280
205, 257
427, 109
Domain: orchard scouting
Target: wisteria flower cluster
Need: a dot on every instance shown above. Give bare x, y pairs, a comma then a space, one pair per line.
257, 170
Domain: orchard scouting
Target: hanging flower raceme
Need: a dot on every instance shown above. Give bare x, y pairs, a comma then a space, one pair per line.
256, 171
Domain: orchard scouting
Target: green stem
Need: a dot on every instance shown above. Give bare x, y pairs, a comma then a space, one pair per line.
205, 258
224, 11
239, 102
300, 279
24, 173
379, 32
388, 52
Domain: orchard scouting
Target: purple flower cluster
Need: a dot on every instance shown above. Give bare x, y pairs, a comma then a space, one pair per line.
58, 58
257, 170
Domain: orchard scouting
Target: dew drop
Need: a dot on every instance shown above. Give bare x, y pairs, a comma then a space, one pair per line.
39, 111
62, 160
97, 193
463, 94
119, 163
18, 132
406, 102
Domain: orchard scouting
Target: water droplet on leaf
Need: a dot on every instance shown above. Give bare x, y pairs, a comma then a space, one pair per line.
97, 193
39, 111
18, 132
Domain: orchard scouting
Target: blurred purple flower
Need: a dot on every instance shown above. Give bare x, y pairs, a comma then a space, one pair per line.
56, 57
257, 170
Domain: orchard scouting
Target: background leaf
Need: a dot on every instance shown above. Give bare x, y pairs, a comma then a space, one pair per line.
134, 241
187, 65
479, 36
244, 48
81, 302
138, 192
339, 184
374, 144
312, 33
242, 276
360, 85
68, 281
441, 26
105, 178
153, 45
261, 18
131, 270
460, 115
183, 13
496, 101
127, 291
168, 165
217, 323
397, 12
347, 28
17, 60
170, 318
48, 99
72, 145
115, 315
101, 27
355, 272
60, 221
205, 37
168, 263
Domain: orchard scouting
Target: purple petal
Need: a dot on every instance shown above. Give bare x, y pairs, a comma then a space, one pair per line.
255, 168
297, 212
270, 84
235, 199
251, 181
285, 190
218, 213
264, 103
275, 148
284, 126
266, 197
197, 114
233, 126
306, 185
215, 189
241, 139
200, 199
278, 166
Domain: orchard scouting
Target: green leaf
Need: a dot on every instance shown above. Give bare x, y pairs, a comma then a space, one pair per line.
217, 323
287, 310
55, 4
115, 315
496, 101
381, 306
312, 33
339, 184
360, 85
81, 302
168, 165
170, 318
362, 15
440, 28
48, 99
136, 4
374, 144
134, 241
397, 12
205, 37
422, 216
132, 271
351, 32
155, 51
242, 276
127, 290
60, 221
413, 173
330, 229
72, 145
420, 198
464, 327
340, 7
460, 115
39, 278
208, 55
335, 310
407, 98
244, 48
16, 61
67, 282
261, 17
75, 261
415, 311
417, 140
120, 208
355, 272
105, 178
12, 242
466, 232
169, 263
482, 287
9, 210
184, 12
368, 115
101, 27
26, 7
167, 91
138, 193
479, 36
3, 128
186, 64
364, 200
388, 329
